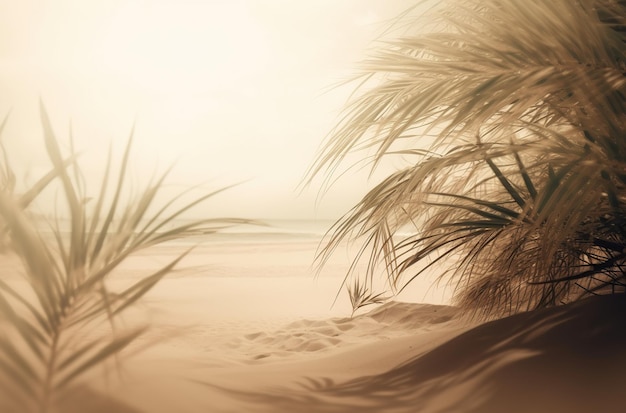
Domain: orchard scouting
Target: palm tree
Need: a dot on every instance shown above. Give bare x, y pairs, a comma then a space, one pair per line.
510, 117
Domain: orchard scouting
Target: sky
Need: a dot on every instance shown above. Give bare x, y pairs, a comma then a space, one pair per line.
230, 91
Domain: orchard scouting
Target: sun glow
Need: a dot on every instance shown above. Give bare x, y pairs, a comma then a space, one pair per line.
184, 47
230, 90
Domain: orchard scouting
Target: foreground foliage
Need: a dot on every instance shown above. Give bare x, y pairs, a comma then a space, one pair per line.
510, 118
62, 319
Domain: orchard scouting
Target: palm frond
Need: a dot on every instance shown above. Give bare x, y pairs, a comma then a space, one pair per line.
66, 326
513, 115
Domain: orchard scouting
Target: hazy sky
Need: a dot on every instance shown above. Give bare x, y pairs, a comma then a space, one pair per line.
230, 90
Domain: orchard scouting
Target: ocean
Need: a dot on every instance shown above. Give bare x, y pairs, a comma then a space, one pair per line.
281, 252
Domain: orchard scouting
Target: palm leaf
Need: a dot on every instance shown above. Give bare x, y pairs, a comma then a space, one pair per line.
58, 341
516, 148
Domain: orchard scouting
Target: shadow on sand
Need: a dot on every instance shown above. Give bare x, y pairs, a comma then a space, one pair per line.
83, 399
566, 359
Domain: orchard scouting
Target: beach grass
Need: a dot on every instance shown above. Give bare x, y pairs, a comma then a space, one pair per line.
362, 296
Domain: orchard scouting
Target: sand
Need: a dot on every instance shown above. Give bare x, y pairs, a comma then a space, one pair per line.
275, 368
272, 343
400, 357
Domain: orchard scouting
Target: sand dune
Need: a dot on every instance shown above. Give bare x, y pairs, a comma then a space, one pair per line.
254, 356
401, 358
320, 336
280, 358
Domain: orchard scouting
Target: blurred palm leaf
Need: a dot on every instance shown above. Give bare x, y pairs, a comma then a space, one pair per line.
8, 181
510, 117
64, 326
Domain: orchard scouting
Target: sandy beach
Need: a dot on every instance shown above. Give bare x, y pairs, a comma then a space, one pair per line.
280, 206
221, 342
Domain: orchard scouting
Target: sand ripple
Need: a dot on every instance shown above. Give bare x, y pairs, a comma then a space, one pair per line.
394, 319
